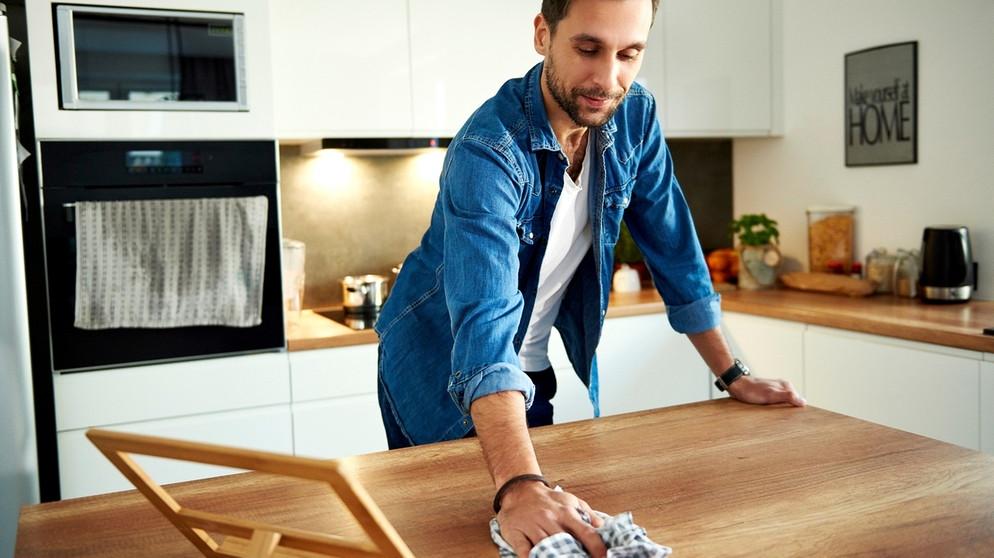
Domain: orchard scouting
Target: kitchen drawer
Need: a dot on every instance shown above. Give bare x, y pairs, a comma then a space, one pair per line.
324, 373
84, 471
141, 393
338, 427
925, 389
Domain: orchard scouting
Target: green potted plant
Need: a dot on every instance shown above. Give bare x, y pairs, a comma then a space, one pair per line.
759, 255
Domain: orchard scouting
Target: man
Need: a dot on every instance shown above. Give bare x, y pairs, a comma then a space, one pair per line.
533, 190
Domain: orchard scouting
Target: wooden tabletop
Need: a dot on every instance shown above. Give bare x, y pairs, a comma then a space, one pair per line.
711, 479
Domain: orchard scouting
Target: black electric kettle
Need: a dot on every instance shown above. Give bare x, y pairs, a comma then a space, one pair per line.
948, 272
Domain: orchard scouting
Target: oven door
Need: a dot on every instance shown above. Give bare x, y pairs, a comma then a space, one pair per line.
75, 349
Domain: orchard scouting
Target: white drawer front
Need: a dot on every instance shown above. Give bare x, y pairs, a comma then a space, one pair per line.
324, 373
142, 393
85, 471
338, 427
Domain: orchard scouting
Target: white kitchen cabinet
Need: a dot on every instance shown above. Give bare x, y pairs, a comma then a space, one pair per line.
143, 393
335, 409
771, 348
84, 471
987, 406
340, 68
338, 427
713, 66
462, 51
644, 364
922, 388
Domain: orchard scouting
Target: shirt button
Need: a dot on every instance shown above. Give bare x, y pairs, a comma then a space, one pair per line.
531, 235
457, 374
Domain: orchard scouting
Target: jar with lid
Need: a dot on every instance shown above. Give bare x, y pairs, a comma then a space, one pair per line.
880, 270
906, 273
831, 232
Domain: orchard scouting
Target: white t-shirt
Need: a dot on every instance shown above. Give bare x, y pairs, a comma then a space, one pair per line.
569, 240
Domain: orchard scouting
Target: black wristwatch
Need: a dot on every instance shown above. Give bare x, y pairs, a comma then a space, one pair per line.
736, 371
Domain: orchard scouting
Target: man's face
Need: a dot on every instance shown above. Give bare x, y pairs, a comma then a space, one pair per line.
593, 56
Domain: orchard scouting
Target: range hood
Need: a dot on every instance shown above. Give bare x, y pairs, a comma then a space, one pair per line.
374, 146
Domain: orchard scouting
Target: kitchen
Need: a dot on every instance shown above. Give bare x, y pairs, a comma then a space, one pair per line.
778, 129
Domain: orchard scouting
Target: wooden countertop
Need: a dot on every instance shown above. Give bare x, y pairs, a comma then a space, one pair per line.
953, 325
718, 478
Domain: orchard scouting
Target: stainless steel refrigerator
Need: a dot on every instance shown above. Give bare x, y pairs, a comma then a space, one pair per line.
18, 454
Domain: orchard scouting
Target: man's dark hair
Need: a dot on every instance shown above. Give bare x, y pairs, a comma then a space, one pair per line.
553, 11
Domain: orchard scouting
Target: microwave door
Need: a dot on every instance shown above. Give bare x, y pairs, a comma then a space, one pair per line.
144, 59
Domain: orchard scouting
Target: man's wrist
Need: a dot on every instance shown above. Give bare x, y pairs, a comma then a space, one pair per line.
514, 484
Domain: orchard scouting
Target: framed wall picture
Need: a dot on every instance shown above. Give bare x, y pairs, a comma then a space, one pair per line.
881, 102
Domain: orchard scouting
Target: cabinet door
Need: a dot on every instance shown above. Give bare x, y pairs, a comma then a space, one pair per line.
987, 407
462, 51
325, 373
340, 68
338, 427
83, 470
644, 364
717, 67
771, 348
925, 389
159, 391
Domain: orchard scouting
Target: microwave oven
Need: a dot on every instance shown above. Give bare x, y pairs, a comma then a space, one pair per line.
114, 58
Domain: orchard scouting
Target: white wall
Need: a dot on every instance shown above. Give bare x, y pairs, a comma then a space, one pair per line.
953, 181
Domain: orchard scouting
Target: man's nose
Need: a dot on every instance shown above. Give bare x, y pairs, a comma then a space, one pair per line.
606, 73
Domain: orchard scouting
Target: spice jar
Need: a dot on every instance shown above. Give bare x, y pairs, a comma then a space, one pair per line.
831, 232
880, 270
906, 273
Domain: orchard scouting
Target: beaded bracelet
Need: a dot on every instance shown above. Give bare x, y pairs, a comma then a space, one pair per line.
511, 482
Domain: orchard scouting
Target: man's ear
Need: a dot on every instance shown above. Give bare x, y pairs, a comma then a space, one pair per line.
543, 35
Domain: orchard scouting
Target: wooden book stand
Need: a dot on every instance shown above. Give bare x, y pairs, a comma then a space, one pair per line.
251, 539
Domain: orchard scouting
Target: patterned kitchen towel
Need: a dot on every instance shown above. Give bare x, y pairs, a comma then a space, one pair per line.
170, 263
622, 537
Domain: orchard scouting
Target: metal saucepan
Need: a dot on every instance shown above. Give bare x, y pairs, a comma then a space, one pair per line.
363, 293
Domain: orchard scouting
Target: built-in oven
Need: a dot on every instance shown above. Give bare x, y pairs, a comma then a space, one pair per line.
150, 189
119, 58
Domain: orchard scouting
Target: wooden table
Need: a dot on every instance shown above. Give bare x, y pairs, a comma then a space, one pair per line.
712, 479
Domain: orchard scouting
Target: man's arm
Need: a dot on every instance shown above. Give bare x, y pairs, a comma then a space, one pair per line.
714, 350
530, 511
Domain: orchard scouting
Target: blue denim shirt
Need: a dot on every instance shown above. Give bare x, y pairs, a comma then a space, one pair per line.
453, 324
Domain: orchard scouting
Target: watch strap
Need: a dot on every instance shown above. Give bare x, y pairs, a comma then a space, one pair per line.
734, 372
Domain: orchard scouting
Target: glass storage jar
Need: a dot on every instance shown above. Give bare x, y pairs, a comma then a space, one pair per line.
831, 234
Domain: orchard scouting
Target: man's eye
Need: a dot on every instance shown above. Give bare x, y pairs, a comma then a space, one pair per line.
587, 51
627, 57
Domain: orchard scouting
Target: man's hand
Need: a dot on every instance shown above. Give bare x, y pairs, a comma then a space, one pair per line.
750, 389
531, 512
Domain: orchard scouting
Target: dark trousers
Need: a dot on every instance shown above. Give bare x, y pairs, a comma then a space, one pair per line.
540, 413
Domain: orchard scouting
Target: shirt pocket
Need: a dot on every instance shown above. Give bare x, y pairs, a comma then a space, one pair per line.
615, 203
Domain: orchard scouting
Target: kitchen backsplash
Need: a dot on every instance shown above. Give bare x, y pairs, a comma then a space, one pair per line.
363, 214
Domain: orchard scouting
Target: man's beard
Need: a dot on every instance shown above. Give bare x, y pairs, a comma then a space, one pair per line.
569, 100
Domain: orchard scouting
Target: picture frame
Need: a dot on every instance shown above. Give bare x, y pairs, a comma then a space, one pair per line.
881, 105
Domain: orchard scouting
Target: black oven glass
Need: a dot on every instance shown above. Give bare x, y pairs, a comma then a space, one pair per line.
74, 171
140, 58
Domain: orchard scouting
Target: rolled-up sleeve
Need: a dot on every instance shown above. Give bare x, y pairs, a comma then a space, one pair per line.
662, 227
480, 196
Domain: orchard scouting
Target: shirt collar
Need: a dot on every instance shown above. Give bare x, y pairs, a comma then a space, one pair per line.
539, 129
